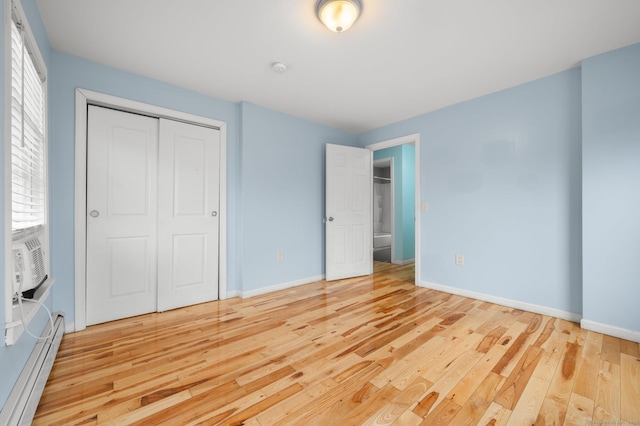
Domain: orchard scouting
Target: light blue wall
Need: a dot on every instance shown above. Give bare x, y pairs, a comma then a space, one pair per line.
501, 174
283, 187
69, 73
408, 202
403, 198
13, 358
611, 187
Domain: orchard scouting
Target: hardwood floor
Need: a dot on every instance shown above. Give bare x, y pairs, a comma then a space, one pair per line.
373, 350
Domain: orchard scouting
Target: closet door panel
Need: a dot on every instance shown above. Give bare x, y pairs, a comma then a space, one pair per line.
187, 214
188, 260
121, 214
189, 183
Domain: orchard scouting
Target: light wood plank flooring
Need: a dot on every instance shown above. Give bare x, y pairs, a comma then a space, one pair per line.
371, 350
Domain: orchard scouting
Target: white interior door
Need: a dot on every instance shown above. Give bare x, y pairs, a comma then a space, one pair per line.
348, 212
122, 151
187, 214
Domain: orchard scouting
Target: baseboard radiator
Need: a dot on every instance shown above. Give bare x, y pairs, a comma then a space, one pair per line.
22, 403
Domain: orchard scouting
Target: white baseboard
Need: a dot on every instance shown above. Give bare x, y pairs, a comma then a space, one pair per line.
69, 327
281, 286
402, 262
611, 330
231, 294
544, 310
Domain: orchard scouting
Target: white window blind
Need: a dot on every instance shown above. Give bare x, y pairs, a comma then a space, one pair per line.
28, 162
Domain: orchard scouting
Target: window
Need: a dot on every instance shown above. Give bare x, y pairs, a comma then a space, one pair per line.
28, 151
28, 260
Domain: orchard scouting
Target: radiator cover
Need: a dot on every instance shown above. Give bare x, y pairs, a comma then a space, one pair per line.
22, 403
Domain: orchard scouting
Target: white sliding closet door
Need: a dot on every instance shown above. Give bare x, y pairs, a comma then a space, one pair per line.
189, 188
122, 158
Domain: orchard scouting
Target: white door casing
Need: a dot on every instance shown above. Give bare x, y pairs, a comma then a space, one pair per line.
121, 214
348, 212
83, 99
188, 204
413, 139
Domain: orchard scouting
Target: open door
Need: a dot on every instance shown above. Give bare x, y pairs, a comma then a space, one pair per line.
348, 212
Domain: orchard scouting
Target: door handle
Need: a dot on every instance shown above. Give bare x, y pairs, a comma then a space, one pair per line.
330, 219
214, 213
94, 213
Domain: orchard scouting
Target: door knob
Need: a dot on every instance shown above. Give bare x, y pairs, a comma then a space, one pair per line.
94, 213
214, 213
330, 219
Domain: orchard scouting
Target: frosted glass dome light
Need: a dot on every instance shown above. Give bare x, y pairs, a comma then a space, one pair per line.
338, 15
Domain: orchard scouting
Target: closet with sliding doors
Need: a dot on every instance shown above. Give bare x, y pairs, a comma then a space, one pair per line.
153, 196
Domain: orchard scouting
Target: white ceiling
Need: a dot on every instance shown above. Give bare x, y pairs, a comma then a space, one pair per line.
402, 58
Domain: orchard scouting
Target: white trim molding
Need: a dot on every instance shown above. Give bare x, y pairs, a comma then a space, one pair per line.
516, 304
83, 99
7, 260
281, 286
413, 139
232, 293
611, 330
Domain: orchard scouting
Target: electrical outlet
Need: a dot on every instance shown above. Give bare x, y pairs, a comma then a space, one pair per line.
459, 259
280, 256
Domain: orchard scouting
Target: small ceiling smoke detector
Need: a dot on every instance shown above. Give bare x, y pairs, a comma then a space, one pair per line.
279, 67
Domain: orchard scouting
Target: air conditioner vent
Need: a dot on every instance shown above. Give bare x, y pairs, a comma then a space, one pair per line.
38, 266
32, 244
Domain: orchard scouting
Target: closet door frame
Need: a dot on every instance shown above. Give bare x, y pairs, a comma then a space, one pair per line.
83, 99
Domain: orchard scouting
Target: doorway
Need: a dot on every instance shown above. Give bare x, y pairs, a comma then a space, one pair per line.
405, 232
383, 209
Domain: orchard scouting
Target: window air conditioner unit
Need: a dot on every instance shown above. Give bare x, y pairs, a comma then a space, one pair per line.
28, 265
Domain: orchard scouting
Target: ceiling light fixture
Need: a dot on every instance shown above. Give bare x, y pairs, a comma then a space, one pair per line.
338, 15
